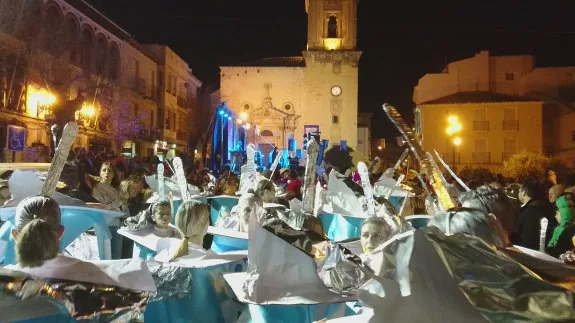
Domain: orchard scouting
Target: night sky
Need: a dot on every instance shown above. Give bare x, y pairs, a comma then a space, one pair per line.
401, 40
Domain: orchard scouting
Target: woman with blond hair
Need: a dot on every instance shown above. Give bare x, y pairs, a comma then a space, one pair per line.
192, 221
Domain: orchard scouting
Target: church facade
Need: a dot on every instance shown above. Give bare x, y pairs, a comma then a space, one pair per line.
283, 98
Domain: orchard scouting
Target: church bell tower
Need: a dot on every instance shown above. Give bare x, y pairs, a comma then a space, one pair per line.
331, 73
332, 24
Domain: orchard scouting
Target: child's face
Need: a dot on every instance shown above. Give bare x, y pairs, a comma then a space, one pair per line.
4, 195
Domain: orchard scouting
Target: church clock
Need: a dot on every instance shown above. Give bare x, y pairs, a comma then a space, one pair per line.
335, 90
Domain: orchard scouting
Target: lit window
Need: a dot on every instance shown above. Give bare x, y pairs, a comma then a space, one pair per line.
335, 119
509, 76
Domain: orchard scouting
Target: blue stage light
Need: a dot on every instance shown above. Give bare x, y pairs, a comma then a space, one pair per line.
225, 115
221, 112
229, 118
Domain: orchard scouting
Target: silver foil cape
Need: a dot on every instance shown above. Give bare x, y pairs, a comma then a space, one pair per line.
60, 157
340, 270
83, 301
171, 281
181, 178
426, 161
367, 189
161, 184
499, 285
249, 180
308, 189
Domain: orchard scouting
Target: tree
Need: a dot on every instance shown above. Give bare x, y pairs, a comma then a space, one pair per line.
116, 117
533, 165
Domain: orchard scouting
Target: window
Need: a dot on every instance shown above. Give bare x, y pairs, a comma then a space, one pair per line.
101, 56
510, 119
53, 21
153, 88
72, 39
573, 135
266, 133
246, 106
509, 148
509, 76
335, 119
332, 27
174, 86
287, 106
86, 59
480, 145
481, 154
480, 119
114, 62
152, 119
136, 110
169, 87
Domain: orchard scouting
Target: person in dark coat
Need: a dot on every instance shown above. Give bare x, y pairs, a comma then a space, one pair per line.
533, 209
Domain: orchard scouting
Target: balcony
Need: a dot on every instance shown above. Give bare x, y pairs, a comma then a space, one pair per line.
154, 95
182, 135
139, 85
448, 157
481, 125
512, 125
149, 134
182, 102
506, 155
481, 158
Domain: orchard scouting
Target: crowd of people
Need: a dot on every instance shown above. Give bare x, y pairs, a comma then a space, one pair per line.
491, 210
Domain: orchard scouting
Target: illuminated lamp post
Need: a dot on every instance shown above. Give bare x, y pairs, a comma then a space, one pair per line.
454, 127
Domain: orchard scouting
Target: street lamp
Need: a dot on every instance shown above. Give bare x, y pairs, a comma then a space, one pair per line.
454, 128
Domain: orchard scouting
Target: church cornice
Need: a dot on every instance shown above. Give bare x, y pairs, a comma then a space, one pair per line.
348, 57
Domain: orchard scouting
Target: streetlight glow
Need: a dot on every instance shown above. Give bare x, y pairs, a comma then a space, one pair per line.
88, 110
454, 128
379, 148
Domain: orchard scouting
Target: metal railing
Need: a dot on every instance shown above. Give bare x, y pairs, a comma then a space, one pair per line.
506, 155
139, 85
482, 158
481, 125
510, 125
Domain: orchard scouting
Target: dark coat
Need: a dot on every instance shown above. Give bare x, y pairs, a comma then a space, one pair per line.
527, 225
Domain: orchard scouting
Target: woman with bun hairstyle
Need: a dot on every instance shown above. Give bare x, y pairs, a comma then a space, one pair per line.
37, 231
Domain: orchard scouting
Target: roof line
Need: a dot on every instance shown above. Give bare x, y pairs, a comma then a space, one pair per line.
106, 17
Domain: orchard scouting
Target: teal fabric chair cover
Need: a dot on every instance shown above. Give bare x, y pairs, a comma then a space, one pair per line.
220, 243
141, 252
209, 300
396, 202
58, 318
418, 221
341, 227
175, 207
75, 220
297, 313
